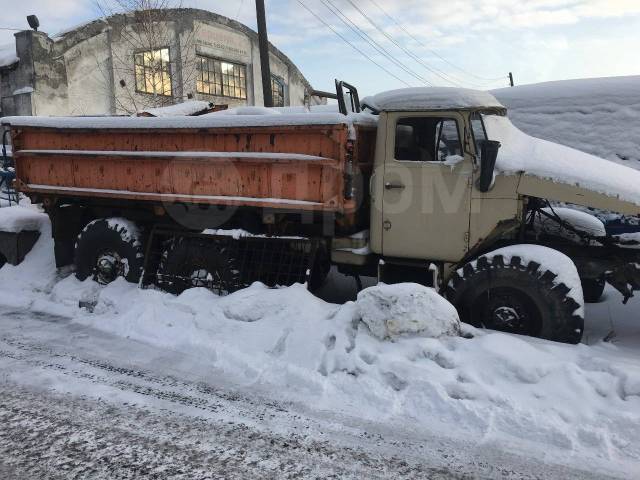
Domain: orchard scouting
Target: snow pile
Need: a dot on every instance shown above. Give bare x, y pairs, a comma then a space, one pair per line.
183, 109
512, 392
250, 111
407, 308
17, 218
581, 221
600, 116
566, 403
522, 153
430, 98
8, 55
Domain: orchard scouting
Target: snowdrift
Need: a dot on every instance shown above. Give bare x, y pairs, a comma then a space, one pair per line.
600, 116
577, 404
543, 159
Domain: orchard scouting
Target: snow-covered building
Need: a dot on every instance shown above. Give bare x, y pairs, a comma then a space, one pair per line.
128, 62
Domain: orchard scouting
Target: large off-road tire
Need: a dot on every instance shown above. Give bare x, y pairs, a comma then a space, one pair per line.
593, 288
194, 262
515, 297
107, 249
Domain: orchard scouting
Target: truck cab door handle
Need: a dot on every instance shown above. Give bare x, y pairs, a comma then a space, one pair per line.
390, 186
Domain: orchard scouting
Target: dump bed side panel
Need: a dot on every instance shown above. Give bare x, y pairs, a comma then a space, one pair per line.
291, 167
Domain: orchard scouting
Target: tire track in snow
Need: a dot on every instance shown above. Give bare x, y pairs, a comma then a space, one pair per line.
172, 428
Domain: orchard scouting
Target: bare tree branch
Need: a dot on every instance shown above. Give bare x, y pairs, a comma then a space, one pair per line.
144, 27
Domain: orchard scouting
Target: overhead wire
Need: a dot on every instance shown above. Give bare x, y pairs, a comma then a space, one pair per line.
433, 70
417, 40
371, 41
355, 47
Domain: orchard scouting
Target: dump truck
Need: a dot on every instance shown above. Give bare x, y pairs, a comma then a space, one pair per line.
428, 185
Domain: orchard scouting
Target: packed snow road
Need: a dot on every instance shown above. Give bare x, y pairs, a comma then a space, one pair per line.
76, 402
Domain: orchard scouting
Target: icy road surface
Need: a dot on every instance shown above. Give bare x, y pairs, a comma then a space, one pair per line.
80, 403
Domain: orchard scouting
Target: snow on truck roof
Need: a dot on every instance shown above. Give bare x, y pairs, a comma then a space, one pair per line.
431, 98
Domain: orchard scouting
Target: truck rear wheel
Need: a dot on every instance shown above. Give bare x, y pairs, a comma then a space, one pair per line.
516, 298
107, 249
193, 263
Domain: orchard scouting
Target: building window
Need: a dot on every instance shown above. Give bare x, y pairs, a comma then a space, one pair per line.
277, 91
153, 72
222, 79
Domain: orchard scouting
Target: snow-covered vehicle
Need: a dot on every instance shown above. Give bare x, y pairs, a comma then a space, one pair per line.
432, 185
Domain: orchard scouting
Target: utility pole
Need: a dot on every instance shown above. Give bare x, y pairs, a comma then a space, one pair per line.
511, 79
263, 44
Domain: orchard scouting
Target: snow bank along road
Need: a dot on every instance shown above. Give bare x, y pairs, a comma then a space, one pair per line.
139, 371
76, 402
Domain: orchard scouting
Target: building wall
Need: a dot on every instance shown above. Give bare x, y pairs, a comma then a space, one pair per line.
89, 70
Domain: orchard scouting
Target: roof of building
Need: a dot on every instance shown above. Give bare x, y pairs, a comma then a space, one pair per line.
431, 98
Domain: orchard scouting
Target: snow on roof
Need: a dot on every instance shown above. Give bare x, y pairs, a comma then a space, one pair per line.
211, 120
180, 109
522, 153
600, 116
431, 98
59, 35
8, 55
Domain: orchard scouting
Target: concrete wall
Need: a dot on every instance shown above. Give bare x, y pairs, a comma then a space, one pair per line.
90, 70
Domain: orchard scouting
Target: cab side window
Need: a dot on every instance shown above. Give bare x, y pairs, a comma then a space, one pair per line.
427, 139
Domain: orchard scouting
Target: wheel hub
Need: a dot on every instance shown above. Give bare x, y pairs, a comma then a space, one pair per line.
506, 310
109, 266
506, 316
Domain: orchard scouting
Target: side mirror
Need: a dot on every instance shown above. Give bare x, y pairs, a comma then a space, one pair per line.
489, 154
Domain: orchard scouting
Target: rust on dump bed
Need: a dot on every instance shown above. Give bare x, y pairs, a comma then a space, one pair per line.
288, 167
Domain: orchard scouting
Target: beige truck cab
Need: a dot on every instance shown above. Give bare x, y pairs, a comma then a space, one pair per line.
454, 182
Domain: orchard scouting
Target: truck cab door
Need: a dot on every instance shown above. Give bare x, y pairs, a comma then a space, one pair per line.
426, 187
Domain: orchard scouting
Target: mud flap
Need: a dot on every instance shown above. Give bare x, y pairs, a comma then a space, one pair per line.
14, 246
625, 279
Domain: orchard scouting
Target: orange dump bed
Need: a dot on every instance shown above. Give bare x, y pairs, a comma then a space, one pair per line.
291, 167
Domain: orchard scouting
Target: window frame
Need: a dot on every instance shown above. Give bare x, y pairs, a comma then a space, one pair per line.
456, 119
473, 133
280, 82
168, 71
200, 57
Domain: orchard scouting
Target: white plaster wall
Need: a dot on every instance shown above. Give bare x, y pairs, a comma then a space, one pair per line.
84, 79
89, 77
50, 94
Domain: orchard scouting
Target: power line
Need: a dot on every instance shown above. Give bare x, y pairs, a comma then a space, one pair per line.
344, 39
12, 29
431, 50
367, 38
442, 75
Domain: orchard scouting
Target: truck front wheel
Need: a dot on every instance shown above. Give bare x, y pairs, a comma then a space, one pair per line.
517, 298
107, 249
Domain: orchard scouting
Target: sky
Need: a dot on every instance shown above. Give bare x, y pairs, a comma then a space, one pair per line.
378, 45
